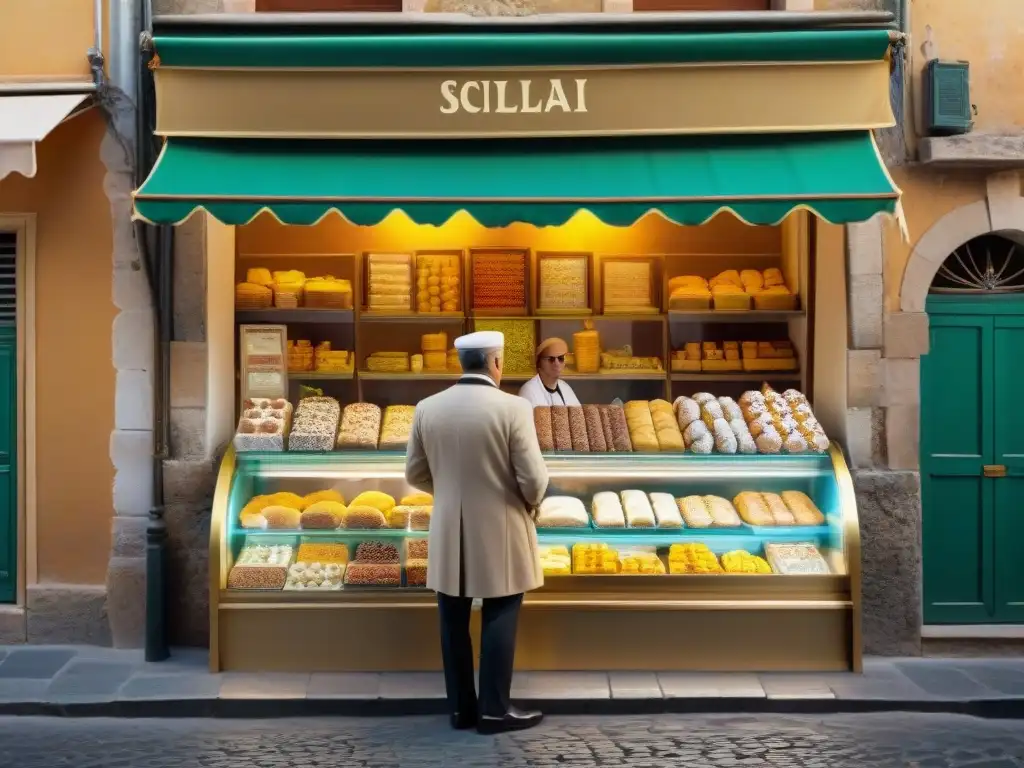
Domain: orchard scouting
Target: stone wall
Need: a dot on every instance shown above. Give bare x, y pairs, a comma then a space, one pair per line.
883, 394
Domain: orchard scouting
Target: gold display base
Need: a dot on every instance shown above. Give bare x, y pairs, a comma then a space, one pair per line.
695, 624
405, 638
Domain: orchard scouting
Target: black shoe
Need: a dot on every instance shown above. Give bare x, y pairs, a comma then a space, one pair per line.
514, 720
461, 722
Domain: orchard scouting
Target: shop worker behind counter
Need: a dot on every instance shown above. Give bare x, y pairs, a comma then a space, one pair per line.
547, 387
475, 448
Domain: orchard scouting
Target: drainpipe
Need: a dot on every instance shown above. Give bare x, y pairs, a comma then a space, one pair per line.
124, 95
95, 53
156, 245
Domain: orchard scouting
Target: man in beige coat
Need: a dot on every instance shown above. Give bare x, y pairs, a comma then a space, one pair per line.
475, 448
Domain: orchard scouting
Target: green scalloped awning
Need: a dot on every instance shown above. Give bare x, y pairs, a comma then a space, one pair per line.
473, 49
544, 182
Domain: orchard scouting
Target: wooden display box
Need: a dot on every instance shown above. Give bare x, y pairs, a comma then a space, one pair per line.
654, 266
476, 255
460, 256
546, 303
405, 309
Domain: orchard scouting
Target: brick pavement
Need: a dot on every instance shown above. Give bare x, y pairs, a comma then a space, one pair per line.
102, 681
680, 741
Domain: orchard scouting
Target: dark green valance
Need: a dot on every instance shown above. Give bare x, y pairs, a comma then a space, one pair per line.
518, 50
761, 179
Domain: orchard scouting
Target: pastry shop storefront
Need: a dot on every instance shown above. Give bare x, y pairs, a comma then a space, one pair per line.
390, 186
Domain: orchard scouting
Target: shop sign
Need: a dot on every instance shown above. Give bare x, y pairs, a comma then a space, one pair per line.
522, 96
503, 102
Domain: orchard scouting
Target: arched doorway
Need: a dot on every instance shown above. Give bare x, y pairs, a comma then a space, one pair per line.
972, 436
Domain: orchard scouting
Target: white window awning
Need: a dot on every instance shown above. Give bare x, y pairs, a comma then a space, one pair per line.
26, 120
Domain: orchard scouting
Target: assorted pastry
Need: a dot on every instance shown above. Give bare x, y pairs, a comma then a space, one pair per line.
734, 357
734, 290
275, 563
263, 424
499, 282
289, 289
304, 357
640, 510
327, 510
438, 283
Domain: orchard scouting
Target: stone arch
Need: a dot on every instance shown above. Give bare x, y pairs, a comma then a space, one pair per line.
953, 229
1001, 213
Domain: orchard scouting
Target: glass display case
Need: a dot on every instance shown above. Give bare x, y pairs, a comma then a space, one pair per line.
335, 597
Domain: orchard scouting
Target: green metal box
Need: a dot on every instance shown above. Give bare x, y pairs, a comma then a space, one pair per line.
947, 98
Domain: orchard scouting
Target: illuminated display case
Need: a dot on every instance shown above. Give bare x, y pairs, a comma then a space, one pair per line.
726, 621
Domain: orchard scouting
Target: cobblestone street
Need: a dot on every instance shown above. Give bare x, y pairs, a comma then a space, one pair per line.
928, 741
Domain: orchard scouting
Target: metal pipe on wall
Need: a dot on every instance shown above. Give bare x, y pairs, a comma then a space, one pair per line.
126, 95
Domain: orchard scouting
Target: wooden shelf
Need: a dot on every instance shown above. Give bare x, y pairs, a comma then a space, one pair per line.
301, 315
431, 376
733, 316
624, 376
412, 317
319, 375
621, 318
738, 376
407, 376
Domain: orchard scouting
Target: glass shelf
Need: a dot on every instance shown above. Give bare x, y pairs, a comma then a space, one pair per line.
345, 534
562, 464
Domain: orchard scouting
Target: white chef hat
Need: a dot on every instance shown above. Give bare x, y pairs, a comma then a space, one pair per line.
485, 341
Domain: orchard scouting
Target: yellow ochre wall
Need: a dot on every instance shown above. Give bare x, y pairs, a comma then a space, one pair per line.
46, 40
988, 35
724, 235
74, 369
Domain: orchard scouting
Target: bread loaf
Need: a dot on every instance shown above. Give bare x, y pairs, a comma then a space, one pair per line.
578, 429
560, 428
722, 512
666, 513
619, 429
607, 511
753, 508
639, 513
804, 511
695, 512
595, 432
544, 427
562, 512
779, 511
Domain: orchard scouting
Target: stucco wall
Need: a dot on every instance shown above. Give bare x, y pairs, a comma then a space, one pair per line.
927, 197
46, 39
988, 35
74, 373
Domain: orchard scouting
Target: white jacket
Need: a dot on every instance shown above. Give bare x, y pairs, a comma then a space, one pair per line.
535, 391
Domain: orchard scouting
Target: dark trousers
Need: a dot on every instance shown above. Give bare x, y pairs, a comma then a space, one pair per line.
497, 653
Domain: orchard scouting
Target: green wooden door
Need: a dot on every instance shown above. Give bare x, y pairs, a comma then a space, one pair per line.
8, 464
956, 443
1008, 492
972, 523
8, 419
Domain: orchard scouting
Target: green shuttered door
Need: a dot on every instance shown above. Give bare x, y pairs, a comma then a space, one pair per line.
973, 525
8, 419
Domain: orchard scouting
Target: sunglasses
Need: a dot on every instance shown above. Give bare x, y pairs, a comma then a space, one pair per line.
553, 358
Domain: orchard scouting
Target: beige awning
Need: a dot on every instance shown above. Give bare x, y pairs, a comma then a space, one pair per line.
26, 120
